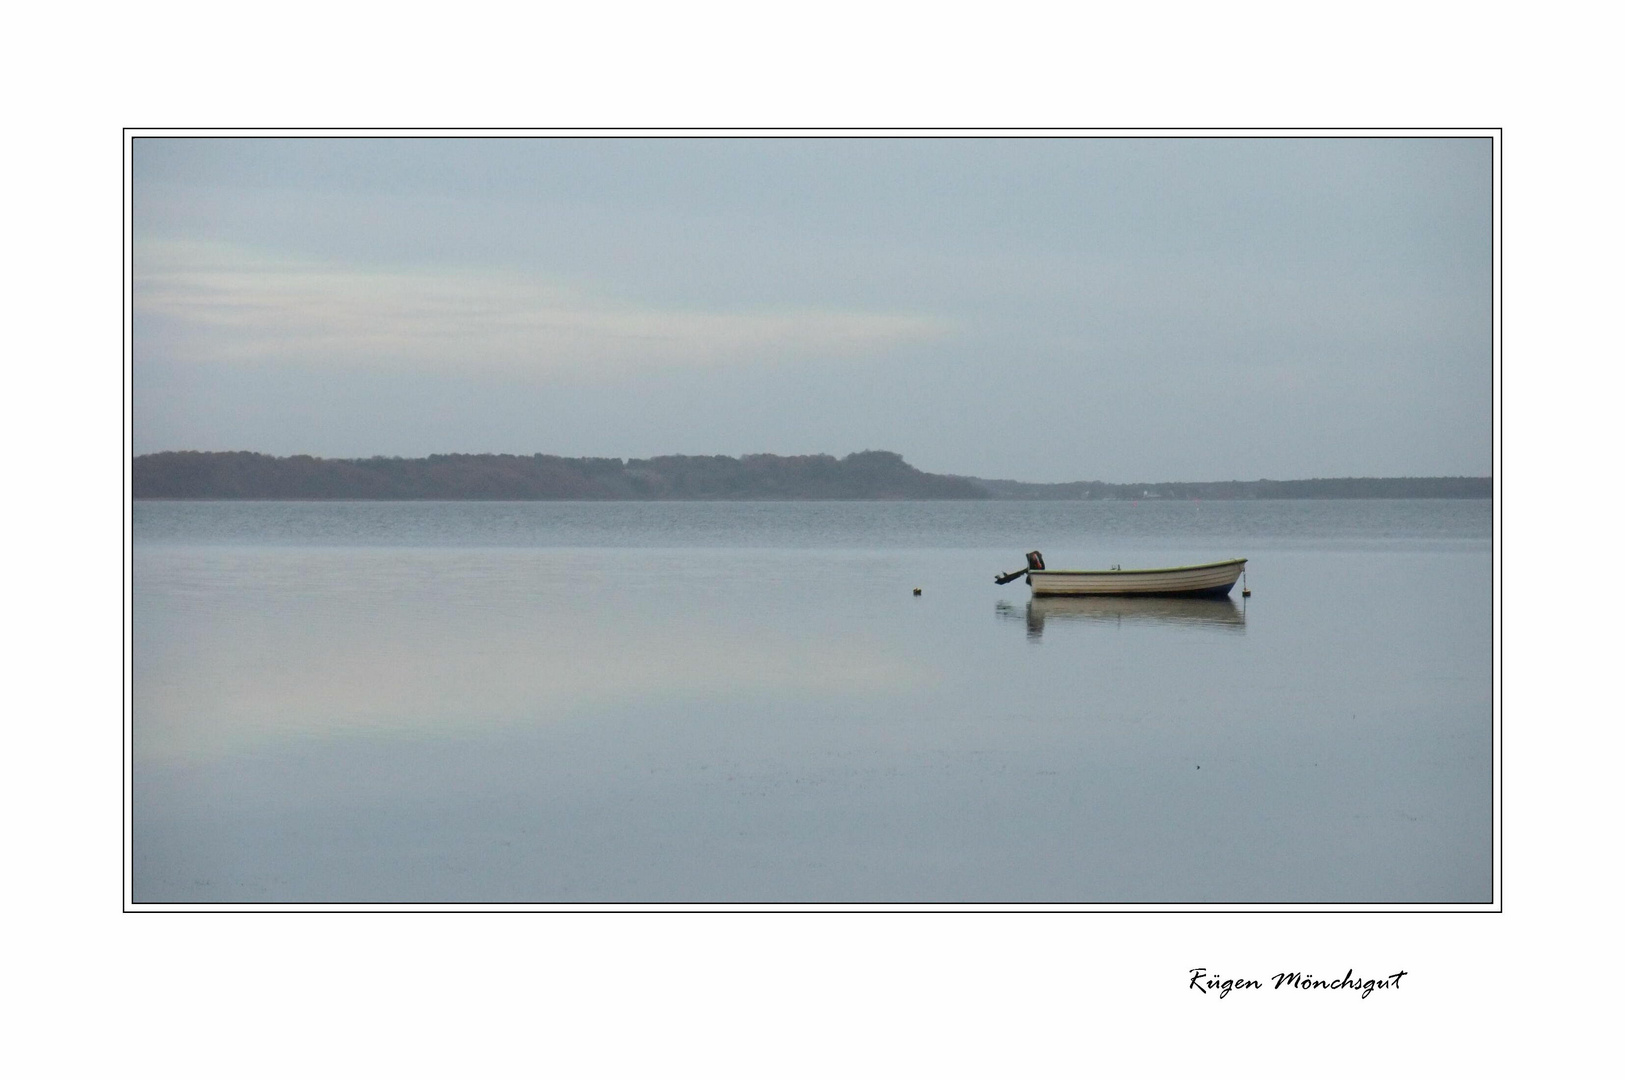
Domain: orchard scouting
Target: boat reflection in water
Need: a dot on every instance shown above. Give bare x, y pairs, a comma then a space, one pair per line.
1219, 613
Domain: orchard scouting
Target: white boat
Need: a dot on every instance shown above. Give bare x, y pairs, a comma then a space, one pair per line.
1208, 579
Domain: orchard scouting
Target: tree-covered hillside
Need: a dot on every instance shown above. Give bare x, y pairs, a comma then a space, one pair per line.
872, 474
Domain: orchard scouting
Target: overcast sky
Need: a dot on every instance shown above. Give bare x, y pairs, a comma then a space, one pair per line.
1036, 309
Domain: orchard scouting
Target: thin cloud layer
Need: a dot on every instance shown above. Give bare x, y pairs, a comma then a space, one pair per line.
233, 304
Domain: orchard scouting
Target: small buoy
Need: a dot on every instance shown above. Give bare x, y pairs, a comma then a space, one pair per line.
916, 592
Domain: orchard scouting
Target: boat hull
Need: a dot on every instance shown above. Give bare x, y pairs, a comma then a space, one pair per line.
1210, 579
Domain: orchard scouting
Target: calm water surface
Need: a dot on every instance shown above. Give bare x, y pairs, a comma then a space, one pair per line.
711, 702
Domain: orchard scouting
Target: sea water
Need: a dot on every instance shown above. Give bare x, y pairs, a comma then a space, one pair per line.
473, 702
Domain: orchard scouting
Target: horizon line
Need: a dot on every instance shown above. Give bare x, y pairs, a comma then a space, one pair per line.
837, 457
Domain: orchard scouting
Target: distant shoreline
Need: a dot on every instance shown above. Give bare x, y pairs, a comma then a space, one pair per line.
868, 475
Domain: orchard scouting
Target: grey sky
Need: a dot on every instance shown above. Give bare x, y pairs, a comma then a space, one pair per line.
1038, 309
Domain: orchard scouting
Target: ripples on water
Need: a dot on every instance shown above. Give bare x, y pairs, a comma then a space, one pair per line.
713, 702
804, 524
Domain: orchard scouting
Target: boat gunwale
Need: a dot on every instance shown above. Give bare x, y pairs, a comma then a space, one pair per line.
1156, 570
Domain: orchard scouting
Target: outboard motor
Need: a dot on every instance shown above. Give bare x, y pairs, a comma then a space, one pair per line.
1035, 561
